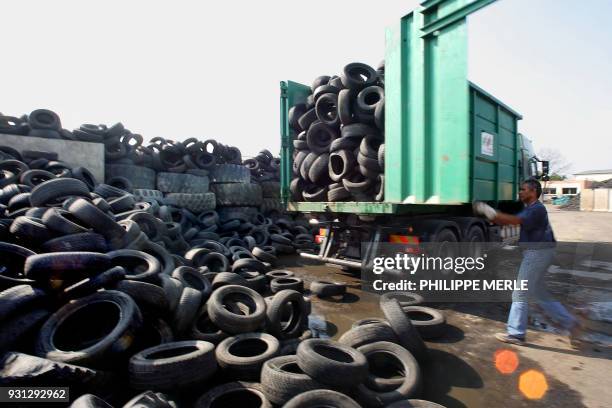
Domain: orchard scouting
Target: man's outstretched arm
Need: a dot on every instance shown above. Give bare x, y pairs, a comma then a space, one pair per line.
495, 216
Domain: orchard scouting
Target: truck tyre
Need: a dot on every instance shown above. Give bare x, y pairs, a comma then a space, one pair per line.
182, 183
341, 164
332, 363
282, 379
242, 356
386, 360
282, 302
368, 98
230, 173
408, 335
234, 323
238, 194
170, 366
320, 136
49, 191
95, 343
195, 203
234, 394
321, 398
358, 76
429, 322
368, 333
140, 176
293, 283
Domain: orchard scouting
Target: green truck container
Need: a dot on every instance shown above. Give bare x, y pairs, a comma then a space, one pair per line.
448, 142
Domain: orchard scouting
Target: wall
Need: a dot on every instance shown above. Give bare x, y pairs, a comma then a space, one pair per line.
89, 155
599, 199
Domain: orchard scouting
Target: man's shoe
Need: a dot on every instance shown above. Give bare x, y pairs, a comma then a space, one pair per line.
506, 338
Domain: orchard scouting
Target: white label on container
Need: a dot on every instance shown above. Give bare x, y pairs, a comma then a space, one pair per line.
486, 144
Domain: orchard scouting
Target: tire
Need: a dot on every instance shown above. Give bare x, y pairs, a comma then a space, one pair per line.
133, 262
89, 286
234, 394
338, 194
171, 366
280, 284
379, 115
89, 401
56, 337
340, 366
326, 109
415, 403
295, 112
320, 136
369, 147
319, 81
359, 130
306, 164
30, 230
248, 265
325, 289
204, 329
430, 322
358, 76
149, 298
407, 334
319, 171
228, 278
236, 323
182, 183
141, 177
397, 360
87, 177
307, 118
270, 189
369, 98
242, 356
282, 379
367, 334
85, 241
196, 203
62, 222
33, 178
49, 191
321, 398
65, 266
230, 173
345, 106
271, 204
368, 320
107, 191
216, 262
341, 164
173, 289
238, 194
187, 309
12, 260
404, 298
101, 223
122, 204
286, 301
190, 277
265, 256
19, 299
369, 163
314, 193
44, 119
357, 184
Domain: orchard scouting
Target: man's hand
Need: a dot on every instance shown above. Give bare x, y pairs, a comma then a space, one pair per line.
484, 210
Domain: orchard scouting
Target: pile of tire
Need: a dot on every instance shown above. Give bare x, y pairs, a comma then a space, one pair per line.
339, 149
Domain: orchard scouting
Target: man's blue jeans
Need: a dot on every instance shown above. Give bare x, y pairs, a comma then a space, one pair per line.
533, 268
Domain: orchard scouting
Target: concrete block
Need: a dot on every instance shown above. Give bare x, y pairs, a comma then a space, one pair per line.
83, 154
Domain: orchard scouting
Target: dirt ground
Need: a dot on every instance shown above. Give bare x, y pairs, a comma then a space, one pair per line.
462, 370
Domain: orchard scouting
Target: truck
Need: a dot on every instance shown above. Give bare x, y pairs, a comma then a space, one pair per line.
448, 143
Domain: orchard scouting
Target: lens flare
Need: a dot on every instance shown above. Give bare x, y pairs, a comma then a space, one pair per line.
506, 361
533, 384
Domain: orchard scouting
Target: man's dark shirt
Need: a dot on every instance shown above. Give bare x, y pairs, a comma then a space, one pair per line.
535, 227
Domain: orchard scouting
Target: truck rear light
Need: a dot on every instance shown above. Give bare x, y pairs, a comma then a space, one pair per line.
404, 239
323, 232
318, 239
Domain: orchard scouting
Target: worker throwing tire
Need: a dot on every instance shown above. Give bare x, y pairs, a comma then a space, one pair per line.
538, 243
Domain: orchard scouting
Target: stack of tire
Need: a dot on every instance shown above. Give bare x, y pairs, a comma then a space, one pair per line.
40, 123
339, 148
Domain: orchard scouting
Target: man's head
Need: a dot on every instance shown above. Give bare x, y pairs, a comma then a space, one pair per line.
530, 191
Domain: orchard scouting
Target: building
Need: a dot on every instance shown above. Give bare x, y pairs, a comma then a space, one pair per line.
552, 189
594, 175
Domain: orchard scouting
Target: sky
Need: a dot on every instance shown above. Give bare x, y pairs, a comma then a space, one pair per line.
200, 69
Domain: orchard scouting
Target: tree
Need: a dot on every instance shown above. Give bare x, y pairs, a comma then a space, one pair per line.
558, 164
557, 177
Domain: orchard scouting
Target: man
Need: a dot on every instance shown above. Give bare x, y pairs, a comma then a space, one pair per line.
538, 242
